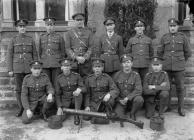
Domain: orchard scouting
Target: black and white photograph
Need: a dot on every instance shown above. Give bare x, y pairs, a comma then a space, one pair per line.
96, 69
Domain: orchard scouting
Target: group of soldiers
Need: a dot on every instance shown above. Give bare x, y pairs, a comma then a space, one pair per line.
100, 75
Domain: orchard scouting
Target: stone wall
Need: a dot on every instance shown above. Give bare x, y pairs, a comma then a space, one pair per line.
189, 72
96, 15
165, 10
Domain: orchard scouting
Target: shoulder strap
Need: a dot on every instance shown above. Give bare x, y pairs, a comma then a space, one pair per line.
76, 35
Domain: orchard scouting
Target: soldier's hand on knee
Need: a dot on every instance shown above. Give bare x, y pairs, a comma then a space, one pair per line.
29, 113
10, 73
106, 97
122, 102
77, 92
151, 86
163, 84
87, 108
126, 100
60, 111
50, 98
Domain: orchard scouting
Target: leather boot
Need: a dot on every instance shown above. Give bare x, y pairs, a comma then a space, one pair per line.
133, 116
76, 120
19, 102
181, 105
150, 109
45, 118
19, 113
181, 111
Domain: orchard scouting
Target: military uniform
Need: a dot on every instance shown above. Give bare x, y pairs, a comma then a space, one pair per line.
64, 90
65, 86
175, 51
161, 92
140, 48
51, 50
79, 42
21, 52
130, 86
98, 86
34, 93
110, 49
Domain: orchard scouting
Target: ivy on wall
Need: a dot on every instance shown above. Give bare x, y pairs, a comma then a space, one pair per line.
126, 12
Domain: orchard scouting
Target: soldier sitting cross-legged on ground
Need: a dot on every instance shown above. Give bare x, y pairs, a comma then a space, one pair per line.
69, 89
37, 93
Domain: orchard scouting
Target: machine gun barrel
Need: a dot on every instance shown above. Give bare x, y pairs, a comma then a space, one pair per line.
102, 115
85, 113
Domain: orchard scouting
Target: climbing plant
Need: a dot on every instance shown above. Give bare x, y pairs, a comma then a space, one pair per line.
126, 12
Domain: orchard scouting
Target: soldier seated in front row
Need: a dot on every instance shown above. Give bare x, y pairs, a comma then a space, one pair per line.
37, 92
101, 91
69, 89
156, 89
129, 84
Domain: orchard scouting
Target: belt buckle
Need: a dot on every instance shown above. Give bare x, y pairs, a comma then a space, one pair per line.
140, 52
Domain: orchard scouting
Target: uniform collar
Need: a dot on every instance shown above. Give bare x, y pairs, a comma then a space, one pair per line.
51, 33
139, 36
22, 35
127, 73
35, 77
99, 76
174, 34
79, 31
110, 34
68, 74
156, 73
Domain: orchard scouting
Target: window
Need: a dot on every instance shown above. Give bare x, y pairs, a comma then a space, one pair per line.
56, 8
62, 10
24, 9
183, 12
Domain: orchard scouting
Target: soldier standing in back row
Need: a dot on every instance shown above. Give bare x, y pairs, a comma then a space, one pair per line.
140, 48
110, 47
79, 42
21, 52
175, 51
51, 50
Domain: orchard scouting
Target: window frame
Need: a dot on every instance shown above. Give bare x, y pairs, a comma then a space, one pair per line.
68, 20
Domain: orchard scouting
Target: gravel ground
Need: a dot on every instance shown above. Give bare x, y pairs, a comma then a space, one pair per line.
176, 128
